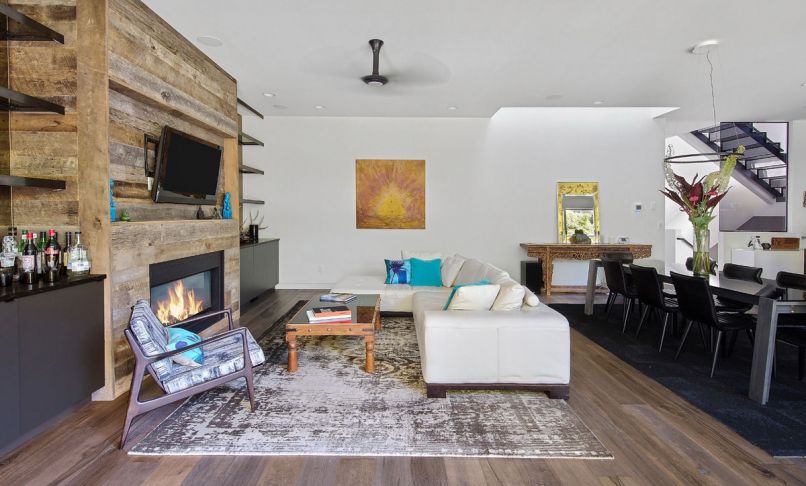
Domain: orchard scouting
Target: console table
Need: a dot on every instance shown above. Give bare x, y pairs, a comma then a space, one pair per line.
548, 252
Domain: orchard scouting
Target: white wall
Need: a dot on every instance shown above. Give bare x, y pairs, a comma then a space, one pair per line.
490, 184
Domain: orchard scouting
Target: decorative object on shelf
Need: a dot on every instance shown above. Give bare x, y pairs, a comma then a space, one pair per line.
124, 215
112, 215
226, 212
785, 243
580, 238
200, 213
766, 246
578, 209
251, 229
755, 243
216, 214
698, 199
390, 194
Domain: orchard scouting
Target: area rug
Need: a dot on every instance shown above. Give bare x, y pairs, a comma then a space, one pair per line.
778, 427
331, 406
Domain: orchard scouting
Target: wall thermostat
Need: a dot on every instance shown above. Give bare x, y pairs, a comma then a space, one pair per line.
638, 207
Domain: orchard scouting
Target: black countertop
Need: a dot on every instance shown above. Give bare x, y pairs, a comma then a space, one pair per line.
17, 291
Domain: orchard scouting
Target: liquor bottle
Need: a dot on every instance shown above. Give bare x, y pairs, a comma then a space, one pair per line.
79, 260
68, 247
52, 257
37, 256
28, 271
23, 241
8, 255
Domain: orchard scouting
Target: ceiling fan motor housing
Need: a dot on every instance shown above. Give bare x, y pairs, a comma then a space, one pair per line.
375, 79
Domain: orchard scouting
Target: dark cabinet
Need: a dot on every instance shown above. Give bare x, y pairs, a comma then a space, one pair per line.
51, 356
260, 268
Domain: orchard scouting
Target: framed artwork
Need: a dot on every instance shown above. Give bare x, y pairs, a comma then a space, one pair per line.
389, 194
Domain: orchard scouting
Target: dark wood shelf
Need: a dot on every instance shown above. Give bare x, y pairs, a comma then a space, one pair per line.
245, 169
245, 139
18, 26
11, 100
246, 105
15, 181
252, 201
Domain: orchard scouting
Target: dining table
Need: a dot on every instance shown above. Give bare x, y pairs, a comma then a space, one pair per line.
771, 302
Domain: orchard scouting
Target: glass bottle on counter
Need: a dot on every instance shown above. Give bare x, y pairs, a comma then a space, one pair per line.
52, 257
68, 247
28, 261
7, 258
79, 259
38, 261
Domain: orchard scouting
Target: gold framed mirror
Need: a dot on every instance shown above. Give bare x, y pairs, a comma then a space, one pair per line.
578, 212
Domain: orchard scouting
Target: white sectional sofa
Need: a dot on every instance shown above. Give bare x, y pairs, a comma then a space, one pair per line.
527, 347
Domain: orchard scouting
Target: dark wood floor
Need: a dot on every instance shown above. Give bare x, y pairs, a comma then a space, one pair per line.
656, 438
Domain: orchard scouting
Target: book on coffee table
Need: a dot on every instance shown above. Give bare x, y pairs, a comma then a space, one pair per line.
331, 311
337, 318
340, 298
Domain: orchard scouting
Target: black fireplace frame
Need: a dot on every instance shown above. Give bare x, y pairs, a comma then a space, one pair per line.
166, 272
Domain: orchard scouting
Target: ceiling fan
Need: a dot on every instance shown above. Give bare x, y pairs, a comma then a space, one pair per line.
375, 79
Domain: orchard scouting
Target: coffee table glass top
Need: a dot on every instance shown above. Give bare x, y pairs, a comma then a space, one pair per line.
366, 302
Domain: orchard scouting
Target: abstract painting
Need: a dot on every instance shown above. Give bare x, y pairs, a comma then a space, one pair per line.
389, 194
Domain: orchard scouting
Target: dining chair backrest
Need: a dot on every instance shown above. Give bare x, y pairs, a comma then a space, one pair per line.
624, 257
789, 280
614, 276
690, 265
742, 272
694, 298
647, 285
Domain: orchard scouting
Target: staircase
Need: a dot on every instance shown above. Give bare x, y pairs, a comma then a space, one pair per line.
764, 162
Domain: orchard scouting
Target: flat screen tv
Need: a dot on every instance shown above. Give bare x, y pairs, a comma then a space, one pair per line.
186, 170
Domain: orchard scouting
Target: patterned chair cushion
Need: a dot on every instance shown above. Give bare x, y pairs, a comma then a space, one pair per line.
220, 358
151, 336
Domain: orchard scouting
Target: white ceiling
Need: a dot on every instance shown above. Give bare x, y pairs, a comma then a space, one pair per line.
480, 55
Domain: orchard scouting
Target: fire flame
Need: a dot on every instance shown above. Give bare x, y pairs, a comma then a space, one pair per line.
180, 305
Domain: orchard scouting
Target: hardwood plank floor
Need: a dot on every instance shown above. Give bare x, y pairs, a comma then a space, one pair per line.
656, 438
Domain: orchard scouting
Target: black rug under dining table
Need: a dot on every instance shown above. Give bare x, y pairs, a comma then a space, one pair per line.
779, 427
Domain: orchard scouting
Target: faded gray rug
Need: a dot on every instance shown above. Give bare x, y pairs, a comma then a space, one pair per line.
331, 406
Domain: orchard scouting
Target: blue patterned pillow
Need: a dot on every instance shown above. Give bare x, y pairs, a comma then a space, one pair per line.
179, 338
398, 271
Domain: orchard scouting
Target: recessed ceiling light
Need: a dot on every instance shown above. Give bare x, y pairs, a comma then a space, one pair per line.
598, 102
453, 108
269, 95
319, 107
209, 40
554, 97
803, 84
280, 107
705, 46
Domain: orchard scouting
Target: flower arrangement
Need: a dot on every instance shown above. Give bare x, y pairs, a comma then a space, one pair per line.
698, 199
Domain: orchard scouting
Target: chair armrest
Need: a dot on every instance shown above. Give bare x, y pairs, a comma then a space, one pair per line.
218, 337
228, 312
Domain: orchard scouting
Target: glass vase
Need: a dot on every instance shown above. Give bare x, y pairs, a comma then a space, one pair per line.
701, 263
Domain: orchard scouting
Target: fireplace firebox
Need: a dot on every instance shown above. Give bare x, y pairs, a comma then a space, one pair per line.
188, 287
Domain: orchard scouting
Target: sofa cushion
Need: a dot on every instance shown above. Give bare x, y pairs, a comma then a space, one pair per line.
510, 297
181, 338
151, 336
474, 297
457, 287
529, 298
398, 271
496, 275
426, 273
450, 269
221, 358
394, 297
422, 255
472, 271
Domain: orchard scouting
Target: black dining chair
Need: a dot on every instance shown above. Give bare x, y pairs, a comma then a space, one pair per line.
690, 265
792, 327
649, 290
624, 257
618, 284
696, 303
733, 271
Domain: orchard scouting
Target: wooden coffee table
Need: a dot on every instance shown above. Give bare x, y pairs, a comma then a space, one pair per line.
366, 319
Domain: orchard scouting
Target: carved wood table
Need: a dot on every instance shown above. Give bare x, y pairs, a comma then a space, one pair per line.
548, 252
366, 319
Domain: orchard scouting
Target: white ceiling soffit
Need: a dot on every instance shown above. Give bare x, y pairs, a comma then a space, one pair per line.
476, 56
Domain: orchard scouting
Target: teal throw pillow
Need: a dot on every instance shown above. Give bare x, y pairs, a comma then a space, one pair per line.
179, 338
398, 271
426, 272
453, 291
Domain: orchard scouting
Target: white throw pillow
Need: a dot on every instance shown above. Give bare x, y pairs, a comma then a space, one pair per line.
450, 270
421, 255
510, 297
472, 271
474, 297
529, 298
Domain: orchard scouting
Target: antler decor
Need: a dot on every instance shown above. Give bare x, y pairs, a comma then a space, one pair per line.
245, 226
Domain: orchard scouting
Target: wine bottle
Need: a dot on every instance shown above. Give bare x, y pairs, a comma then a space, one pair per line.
52, 257
68, 247
28, 259
38, 261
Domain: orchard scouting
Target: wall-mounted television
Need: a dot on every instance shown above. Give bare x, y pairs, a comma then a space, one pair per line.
187, 169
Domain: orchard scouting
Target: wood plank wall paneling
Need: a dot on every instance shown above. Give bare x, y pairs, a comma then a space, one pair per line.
45, 145
137, 245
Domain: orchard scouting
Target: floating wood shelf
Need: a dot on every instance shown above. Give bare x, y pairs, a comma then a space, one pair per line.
245, 139
15, 181
252, 201
11, 100
17, 26
246, 105
245, 169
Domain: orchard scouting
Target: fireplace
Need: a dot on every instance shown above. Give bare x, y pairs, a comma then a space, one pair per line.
188, 287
